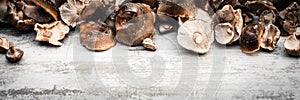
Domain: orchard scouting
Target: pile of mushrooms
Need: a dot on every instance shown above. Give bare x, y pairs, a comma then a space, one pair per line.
255, 24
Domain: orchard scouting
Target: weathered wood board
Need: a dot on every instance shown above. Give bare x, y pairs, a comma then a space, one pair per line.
73, 72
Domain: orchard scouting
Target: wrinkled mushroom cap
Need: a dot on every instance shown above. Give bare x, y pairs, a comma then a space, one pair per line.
133, 30
224, 33
258, 6
51, 33
270, 37
35, 12
4, 44
96, 36
14, 55
172, 9
267, 17
192, 36
251, 38
48, 6
292, 44
70, 12
226, 14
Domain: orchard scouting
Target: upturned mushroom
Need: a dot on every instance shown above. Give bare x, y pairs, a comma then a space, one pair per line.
192, 35
270, 37
229, 16
70, 12
267, 17
96, 36
134, 23
14, 55
4, 44
292, 44
288, 19
251, 38
51, 33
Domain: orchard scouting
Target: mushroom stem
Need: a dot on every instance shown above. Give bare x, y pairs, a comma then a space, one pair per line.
197, 38
12, 49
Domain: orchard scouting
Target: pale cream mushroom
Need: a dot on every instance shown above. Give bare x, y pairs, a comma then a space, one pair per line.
270, 37
224, 33
292, 44
4, 44
51, 33
192, 36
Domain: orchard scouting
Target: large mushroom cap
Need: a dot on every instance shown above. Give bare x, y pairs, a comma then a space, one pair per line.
224, 33
292, 44
4, 44
270, 37
133, 30
192, 35
48, 6
251, 38
96, 36
51, 33
70, 12
172, 9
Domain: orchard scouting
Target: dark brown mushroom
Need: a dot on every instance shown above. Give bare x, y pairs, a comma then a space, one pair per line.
267, 17
258, 6
51, 33
14, 54
288, 19
48, 6
96, 36
34, 12
270, 37
134, 23
251, 38
219, 4
16, 18
4, 44
172, 9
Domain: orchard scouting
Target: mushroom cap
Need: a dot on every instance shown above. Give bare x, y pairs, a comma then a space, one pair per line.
35, 12
48, 6
292, 44
270, 37
172, 9
267, 17
258, 6
51, 33
14, 55
251, 38
133, 30
96, 36
226, 14
238, 25
224, 33
4, 44
70, 12
193, 35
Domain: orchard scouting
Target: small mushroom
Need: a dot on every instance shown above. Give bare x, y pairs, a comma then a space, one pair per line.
134, 23
292, 44
96, 36
14, 54
251, 38
267, 17
149, 44
51, 33
270, 37
192, 35
224, 33
4, 44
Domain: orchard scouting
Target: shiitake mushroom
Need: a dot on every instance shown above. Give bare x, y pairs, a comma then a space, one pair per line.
14, 54
251, 38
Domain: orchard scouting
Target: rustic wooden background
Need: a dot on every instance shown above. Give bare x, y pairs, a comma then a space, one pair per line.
73, 72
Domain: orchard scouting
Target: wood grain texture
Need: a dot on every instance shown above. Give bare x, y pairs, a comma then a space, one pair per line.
73, 72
